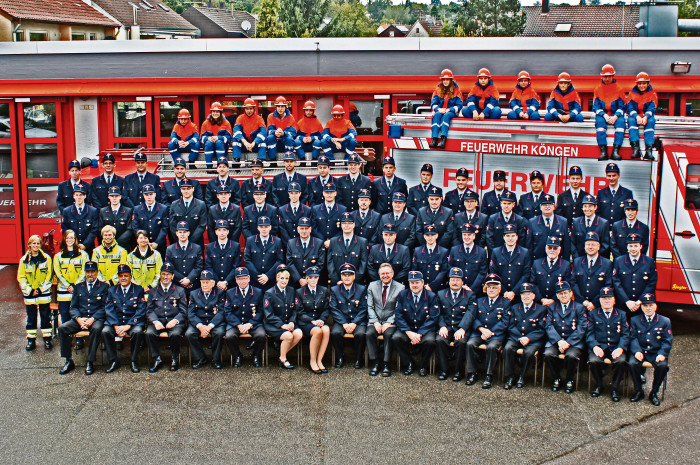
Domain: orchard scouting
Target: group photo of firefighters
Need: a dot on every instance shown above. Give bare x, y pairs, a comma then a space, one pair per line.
371, 266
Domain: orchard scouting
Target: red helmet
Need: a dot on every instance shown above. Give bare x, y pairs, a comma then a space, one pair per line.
338, 110
523, 75
280, 101
608, 70
309, 105
484, 72
642, 77
184, 113
249, 102
216, 106
564, 77
447, 74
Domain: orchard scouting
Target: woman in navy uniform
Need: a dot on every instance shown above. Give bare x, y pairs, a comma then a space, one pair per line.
207, 319
166, 311
314, 303
281, 306
566, 331
244, 315
525, 331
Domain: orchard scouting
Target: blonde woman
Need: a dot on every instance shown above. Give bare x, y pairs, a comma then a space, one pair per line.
145, 263
109, 255
35, 277
280, 305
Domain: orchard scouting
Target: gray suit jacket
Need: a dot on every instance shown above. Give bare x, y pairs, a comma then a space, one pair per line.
379, 313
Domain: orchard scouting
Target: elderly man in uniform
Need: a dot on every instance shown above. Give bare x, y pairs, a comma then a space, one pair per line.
548, 271
491, 202
152, 217
125, 315
224, 209
382, 295
102, 184
303, 252
119, 216
471, 259
384, 187
633, 275
291, 213
651, 341
87, 310
498, 221
511, 262
186, 258
457, 310
526, 331
223, 256
439, 216
349, 310
82, 218
244, 315
591, 273
469, 214
352, 184
389, 252
623, 228
135, 182
416, 316
547, 224
367, 220
611, 199
166, 311
191, 210
263, 254
418, 195
261, 206
347, 248
404, 222
489, 327
569, 203
566, 332
589, 222
207, 319
608, 337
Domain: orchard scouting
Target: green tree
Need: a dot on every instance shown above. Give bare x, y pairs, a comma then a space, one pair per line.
299, 16
269, 24
399, 14
498, 17
244, 5
689, 9
349, 19
377, 8
465, 23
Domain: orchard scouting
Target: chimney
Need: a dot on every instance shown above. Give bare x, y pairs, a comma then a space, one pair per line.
545, 7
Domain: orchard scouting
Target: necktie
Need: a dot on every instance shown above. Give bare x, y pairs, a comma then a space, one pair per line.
109, 180
590, 264
498, 196
124, 291
264, 244
313, 293
551, 264
537, 197
303, 245
347, 243
490, 302
323, 182
613, 191
575, 197
80, 211
649, 319
362, 215
396, 220
284, 293
89, 287
634, 261
563, 308
388, 253
206, 296
415, 300
454, 296
469, 218
150, 209
289, 179
547, 221
630, 225
430, 251
607, 315
165, 290
294, 211
187, 205
384, 292
588, 223
115, 212
510, 254
140, 178
469, 250
329, 211
525, 309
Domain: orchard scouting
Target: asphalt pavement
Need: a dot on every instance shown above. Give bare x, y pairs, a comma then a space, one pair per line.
271, 415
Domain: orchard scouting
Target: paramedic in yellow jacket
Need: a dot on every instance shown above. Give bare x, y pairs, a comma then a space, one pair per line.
69, 268
145, 263
35, 277
109, 255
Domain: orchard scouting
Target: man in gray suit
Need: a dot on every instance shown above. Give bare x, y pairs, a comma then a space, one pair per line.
381, 302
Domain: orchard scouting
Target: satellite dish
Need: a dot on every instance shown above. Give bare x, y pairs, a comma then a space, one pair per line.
245, 25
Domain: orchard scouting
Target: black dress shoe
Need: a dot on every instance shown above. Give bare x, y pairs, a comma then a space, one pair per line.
423, 372
359, 364
31, 344
199, 364
256, 362
113, 366
47, 343
637, 396
157, 364
217, 365
458, 376
386, 372
520, 383
316, 372
324, 370
508, 384
597, 391
237, 362
615, 396
285, 364
340, 362
175, 365
79, 343
135, 367
488, 382
89, 368
409, 369
569, 388
67, 368
556, 385
442, 376
441, 142
375, 370
471, 379
654, 398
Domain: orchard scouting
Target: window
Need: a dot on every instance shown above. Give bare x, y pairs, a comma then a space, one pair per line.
93, 36
692, 107
366, 116
130, 119
19, 36
37, 36
5, 125
40, 121
77, 36
168, 115
692, 188
42, 160
411, 106
5, 161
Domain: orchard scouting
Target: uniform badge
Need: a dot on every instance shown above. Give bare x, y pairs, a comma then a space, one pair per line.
216, 309
267, 302
437, 267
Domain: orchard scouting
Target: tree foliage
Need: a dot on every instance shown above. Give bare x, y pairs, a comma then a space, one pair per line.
498, 17
349, 19
303, 16
376, 9
268, 21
